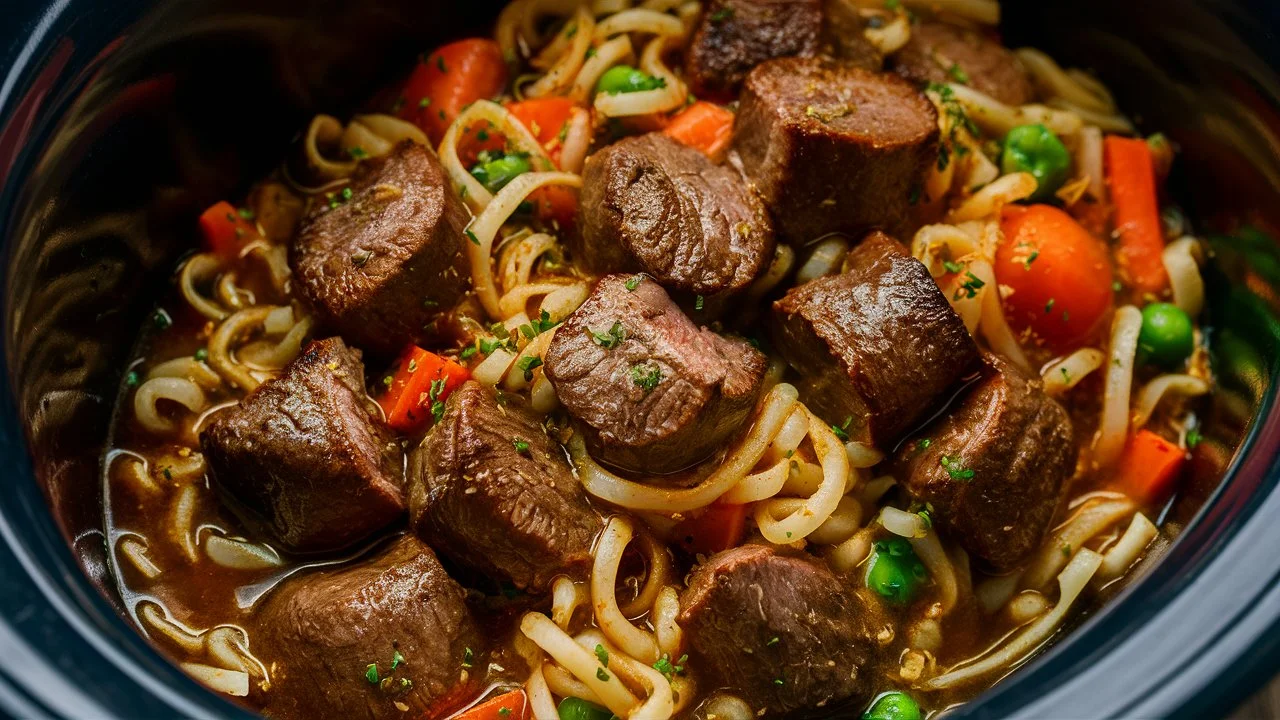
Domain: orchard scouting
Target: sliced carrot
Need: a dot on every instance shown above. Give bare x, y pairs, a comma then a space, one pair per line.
448, 80
226, 231
704, 126
547, 120
419, 380
720, 527
509, 706
1149, 467
1131, 180
1060, 276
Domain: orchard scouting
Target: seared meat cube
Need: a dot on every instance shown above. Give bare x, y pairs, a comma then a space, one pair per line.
780, 631
318, 632
944, 53
380, 265
876, 347
995, 467
651, 204
651, 391
491, 491
306, 455
733, 36
845, 35
832, 147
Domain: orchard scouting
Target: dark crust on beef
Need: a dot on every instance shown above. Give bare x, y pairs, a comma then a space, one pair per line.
318, 632
381, 267
733, 36
879, 344
1018, 443
306, 456
709, 383
832, 147
987, 66
740, 600
651, 204
515, 516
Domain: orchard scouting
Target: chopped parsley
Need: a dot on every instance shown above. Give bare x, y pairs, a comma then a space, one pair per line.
522, 447
487, 346
894, 5
955, 468
437, 405
926, 517
371, 673
1066, 375
924, 443
1116, 286
970, 287
698, 303
161, 319
952, 267
1030, 259
132, 379
721, 15
611, 339
467, 352
602, 655
668, 668
778, 681
958, 74
468, 657
1193, 437
601, 675
527, 364
201, 355
503, 712
842, 431
773, 641
537, 326
1048, 307
633, 282
357, 152
440, 64
471, 236
397, 660
245, 213
646, 376
424, 103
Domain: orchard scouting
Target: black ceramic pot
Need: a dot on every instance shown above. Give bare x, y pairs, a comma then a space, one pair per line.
120, 120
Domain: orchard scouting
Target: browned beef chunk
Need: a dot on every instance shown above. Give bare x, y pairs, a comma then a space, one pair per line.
493, 492
876, 347
381, 266
944, 53
651, 204
832, 147
651, 390
318, 633
994, 469
733, 36
780, 631
306, 456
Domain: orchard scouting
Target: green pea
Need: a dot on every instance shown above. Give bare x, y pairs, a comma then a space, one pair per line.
1167, 336
893, 706
1035, 149
572, 708
626, 79
494, 173
895, 572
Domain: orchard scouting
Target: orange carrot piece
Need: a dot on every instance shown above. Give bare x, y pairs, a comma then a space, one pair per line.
508, 706
1059, 273
419, 381
225, 231
547, 120
448, 80
1131, 180
1149, 467
704, 126
720, 527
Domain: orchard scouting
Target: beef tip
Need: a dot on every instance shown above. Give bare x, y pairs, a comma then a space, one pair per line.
845, 35
306, 457
733, 36
651, 204
651, 391
876, 347
832, 147
317, 633
754, 617
994, 469
494, 493
380, 266
944, 53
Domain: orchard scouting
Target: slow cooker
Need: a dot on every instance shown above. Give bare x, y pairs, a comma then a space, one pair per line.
120, 120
